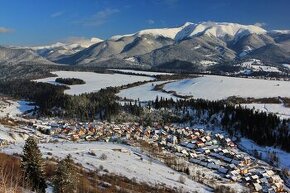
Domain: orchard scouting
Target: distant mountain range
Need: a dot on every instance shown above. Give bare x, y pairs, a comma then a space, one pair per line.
196, 47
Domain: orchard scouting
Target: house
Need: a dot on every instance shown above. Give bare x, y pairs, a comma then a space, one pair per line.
276, 179
3, 142
212, 166
270, 173
247, 160
232, 166
234, 178
278, 187
223, 170
190, 146
247, 179
184, 152
207, 151
257, 187
243, 170
255, 177
200, 144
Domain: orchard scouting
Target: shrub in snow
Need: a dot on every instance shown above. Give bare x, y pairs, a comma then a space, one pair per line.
182, 179
103, 156
92, 153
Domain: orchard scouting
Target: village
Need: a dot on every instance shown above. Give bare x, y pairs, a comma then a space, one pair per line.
194, 146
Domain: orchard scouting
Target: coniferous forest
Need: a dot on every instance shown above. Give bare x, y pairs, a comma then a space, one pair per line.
263, 128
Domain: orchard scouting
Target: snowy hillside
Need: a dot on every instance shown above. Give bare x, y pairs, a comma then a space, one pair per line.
127, 162
13, 108
278, 109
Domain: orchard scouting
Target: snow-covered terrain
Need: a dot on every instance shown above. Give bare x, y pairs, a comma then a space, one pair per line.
284, 157
255, 65
222, 87
94, 81
219, 30
144, 92
149, 73
69, 45
216, 29
123, 160
287, 66
12, 135
13, 108
164, 32
278, 109
207, 62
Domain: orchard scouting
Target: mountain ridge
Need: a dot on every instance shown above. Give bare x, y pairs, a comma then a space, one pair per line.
203, 44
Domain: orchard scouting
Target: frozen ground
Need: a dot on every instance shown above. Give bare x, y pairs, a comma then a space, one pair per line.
278, 109
127, 163
142, 72
94, 81
13, 108
221, 87
144, 92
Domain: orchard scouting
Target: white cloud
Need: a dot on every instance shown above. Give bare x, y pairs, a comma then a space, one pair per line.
99, 18
260, 24
57, 14
150, 21
5, 30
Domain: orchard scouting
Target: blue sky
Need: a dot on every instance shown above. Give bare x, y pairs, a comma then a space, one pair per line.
37, 22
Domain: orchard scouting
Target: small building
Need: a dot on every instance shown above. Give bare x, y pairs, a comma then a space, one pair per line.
257, 187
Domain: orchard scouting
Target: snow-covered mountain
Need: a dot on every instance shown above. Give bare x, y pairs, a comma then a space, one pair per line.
201, 46
58, 50
11, 56
218, 30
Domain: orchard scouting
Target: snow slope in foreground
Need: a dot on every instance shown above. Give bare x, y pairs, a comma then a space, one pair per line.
94, 81
222, 87
144, 92
124, 163
278, 109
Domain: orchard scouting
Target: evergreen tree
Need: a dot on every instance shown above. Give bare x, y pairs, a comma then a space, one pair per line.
32, 164
65, 178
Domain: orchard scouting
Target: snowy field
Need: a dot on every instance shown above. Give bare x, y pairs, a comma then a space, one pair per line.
126, 162
222, 87
142, 72
278, 109
144, 92
13, 108
94, 81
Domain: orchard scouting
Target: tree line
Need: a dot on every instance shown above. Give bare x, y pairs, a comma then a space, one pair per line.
52, 101
70, 81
